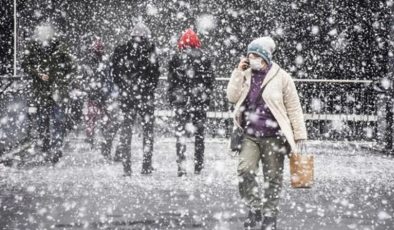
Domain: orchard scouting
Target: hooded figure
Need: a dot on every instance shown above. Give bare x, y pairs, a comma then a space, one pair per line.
190, 87
96, 84
136, 73
48, 62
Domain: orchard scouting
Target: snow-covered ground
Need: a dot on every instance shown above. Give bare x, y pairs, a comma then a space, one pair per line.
354, 189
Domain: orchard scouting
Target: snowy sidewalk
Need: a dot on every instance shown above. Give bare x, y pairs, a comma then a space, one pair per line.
354, 190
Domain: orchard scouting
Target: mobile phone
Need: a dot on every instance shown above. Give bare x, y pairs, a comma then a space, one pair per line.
248, 64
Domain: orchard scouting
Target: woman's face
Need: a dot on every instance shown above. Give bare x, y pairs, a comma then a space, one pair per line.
256, 62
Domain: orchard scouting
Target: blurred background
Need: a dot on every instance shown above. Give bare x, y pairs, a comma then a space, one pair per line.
339, 52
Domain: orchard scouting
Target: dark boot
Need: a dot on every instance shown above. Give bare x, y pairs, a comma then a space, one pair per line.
181, 169
126, 168
269, 223
90, 142
181, 173
47, 157
56, 156
253, 218
197, 169
106, 151
147, 168
127, 173
118, 155
180, 150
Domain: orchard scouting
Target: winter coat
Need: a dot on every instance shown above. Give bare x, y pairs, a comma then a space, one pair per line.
53, 60
190, 79
97, 82
281, 97
136, 70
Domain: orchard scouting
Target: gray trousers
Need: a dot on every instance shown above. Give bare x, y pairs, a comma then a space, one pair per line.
271, 151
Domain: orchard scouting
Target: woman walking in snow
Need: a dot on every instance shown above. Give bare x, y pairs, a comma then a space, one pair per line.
268, 110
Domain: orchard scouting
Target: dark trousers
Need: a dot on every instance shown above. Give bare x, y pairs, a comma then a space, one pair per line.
184, 128
51, 128
109, 128
146, 112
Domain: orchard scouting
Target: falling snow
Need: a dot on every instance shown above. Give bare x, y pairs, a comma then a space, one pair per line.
114, 114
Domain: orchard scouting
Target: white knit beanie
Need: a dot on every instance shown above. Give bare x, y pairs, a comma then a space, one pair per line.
141, 30
264, 47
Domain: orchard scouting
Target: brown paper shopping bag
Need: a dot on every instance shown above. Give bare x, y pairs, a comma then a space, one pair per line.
301, 170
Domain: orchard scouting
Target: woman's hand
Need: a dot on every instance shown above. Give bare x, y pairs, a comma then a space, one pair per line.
44, 77
243, 64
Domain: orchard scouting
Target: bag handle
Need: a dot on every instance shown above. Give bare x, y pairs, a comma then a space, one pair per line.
303, 147
303, 150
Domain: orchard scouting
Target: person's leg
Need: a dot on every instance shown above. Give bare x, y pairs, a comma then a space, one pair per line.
124, 109
76, 113
58, 132
274, 151
109, 128
181, 117
125, 142
118, 152
32, 130
248, 186
92, 117
247, 168
199, 122
43, 115
89, 121
148, 118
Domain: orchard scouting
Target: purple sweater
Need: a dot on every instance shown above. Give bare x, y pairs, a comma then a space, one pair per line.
258, 119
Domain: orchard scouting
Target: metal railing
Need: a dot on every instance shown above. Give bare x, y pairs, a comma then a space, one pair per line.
333, 109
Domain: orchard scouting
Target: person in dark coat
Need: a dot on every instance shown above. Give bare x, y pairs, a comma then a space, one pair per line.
97, 85
48, 62
190, 86
136, 73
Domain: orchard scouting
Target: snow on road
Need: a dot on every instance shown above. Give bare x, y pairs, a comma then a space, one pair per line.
354, 189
